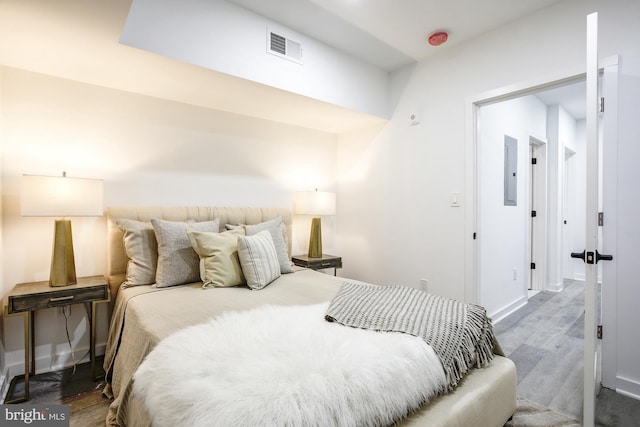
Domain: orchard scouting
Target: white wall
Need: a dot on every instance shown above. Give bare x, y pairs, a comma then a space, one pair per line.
576, 197
394, 224
148, 151
503, 239
225, 37
561, 133
622, 210
2, 346
406, 174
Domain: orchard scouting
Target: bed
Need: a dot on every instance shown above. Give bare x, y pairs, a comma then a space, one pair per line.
144, 316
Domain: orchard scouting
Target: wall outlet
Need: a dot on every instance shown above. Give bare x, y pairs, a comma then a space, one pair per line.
424, 283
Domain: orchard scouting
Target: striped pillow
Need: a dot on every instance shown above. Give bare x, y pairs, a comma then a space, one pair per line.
258, 259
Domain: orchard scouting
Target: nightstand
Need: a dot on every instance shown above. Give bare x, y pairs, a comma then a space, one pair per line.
325, 261
26, 298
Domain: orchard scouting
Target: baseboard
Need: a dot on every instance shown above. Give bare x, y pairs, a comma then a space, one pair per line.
507, 310
52, 363
556, 287
628, 387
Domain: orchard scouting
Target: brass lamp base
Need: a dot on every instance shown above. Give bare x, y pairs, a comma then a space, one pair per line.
315, 239
63, 265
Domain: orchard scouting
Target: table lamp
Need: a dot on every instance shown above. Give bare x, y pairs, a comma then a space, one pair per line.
315, 203
61, 196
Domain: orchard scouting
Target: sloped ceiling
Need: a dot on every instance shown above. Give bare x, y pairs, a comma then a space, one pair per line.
388, 33
78, 40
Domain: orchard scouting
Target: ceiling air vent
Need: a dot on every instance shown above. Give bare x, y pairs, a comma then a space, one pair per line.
283, 47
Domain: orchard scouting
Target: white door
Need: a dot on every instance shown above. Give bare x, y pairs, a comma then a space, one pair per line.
592, 256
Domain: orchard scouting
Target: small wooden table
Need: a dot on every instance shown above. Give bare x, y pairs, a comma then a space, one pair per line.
325, 261
26, 298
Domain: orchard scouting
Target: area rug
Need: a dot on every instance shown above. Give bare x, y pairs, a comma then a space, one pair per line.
529, 414
285, 366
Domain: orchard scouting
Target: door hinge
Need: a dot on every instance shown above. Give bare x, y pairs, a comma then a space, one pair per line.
599, 332
474, 236
600, 219
534, 214
602, 104
533, 265
534, 161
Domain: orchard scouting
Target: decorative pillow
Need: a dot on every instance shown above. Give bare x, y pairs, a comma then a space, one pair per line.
177, 261
142, 250
259, 259
219, 264
279, 236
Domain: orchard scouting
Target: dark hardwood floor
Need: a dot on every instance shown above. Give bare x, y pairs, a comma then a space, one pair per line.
76, 388
545, 340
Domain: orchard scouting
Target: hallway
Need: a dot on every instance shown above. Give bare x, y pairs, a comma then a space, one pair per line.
545, 340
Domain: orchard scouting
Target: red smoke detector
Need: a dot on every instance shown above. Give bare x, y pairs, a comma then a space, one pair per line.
436, 39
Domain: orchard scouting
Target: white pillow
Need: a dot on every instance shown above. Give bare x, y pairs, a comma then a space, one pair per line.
259, 259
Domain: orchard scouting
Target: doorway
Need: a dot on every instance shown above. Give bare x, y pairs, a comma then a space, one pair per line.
520, 243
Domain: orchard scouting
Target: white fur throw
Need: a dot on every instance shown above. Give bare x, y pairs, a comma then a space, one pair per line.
285, 366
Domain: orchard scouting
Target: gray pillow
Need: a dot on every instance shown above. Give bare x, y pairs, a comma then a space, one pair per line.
278, 234
178, 263
142, 251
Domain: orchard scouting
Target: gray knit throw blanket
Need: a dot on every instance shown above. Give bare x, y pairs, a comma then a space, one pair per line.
460, 334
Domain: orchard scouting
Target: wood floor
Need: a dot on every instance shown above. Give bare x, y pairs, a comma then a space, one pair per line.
545, 340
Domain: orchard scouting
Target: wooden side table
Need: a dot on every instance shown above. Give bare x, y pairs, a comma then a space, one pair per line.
326, 261
26, 298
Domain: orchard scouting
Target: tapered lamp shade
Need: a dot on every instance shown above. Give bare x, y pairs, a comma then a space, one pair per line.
61, 197
315, 203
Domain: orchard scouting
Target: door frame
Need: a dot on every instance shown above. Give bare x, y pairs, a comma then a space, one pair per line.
609, 240
538, 202
472, 128
568, 227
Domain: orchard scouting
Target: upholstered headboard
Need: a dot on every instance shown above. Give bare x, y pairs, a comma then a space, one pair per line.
117, 258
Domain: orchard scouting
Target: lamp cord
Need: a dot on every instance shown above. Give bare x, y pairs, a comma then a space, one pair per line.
66, 327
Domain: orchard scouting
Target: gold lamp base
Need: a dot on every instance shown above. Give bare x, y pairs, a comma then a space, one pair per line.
315, 239
63, 265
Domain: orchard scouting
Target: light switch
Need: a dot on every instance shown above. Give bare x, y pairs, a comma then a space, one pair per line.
455, 200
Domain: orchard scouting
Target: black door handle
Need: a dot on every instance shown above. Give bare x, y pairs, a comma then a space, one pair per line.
579, 255
603, 257
590, 257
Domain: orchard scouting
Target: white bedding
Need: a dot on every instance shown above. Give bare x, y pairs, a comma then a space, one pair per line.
485, 398
278, 365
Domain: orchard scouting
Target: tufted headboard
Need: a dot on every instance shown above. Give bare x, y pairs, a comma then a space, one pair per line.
117, 258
